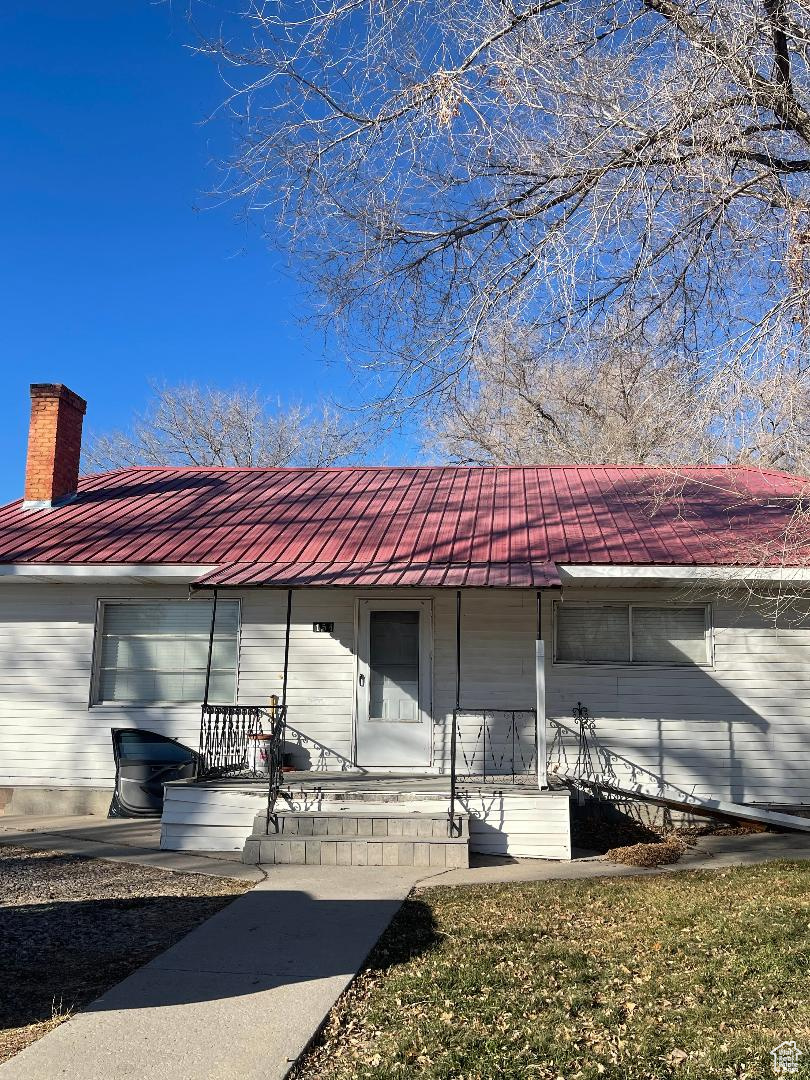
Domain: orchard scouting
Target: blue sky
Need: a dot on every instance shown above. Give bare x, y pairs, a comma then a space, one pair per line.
115, 268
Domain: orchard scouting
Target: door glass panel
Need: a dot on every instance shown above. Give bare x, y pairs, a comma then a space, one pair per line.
394, 666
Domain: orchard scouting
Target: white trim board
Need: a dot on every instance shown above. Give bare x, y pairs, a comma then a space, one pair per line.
186, 574
628, 574
114, 573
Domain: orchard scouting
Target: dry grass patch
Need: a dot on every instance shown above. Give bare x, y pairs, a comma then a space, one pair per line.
73, 927
696, 975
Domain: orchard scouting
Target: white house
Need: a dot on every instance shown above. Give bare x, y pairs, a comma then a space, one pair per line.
419, 627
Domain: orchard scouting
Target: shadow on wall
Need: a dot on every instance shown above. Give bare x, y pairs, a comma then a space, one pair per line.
303, 752
708, 743
734, 730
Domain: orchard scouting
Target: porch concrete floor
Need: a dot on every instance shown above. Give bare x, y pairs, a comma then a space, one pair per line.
382, 783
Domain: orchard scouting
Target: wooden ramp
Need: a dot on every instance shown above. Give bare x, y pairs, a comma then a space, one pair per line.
681, 800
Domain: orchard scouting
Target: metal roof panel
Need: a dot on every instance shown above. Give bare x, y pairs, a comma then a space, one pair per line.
425, 525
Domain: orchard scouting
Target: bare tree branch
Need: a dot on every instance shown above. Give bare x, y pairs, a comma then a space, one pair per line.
203, 425
443, 170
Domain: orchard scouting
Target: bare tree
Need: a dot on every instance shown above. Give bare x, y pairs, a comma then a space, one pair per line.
448, 167
203, 425
624, 186
519, 405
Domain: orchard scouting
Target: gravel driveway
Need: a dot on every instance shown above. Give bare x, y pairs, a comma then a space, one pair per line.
72, 927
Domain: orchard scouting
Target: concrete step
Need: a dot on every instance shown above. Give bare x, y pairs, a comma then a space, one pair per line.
342, 851
354, 837
379, 824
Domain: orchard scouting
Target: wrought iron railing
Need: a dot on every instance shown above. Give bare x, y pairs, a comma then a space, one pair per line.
497, 746
243, 741
579, 758
235, 739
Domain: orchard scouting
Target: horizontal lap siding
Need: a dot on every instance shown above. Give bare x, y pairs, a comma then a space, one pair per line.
320, 696
206, 819
48, 735
739, 730
520, 826
497, 670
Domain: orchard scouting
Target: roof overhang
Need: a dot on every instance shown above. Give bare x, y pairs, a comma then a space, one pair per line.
101, 573
337, 575
592, 574
390, 575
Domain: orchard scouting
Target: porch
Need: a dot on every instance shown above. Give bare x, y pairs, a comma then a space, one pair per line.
425, 765
504, 817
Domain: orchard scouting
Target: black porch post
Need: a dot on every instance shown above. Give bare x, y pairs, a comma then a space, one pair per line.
286, 654
540, 692
210, 648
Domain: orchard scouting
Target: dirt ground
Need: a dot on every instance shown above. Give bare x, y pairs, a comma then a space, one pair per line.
73, 927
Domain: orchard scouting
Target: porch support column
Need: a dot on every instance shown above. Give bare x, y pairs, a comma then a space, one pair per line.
286, 655
210, 647
540, 690
458, 649
454, 826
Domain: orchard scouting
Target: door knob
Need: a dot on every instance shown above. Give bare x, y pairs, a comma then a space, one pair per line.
362, 680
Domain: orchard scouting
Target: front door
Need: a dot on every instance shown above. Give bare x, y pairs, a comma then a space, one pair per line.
393, 683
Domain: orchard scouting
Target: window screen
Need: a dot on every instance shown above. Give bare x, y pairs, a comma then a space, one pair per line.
158, 652
669, 635
593, 633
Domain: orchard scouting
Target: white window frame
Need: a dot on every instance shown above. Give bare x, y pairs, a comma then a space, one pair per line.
98, 634
629, 605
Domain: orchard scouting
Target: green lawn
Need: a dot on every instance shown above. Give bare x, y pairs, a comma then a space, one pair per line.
688, 975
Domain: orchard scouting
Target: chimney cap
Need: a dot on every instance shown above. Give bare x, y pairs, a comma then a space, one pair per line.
59, 392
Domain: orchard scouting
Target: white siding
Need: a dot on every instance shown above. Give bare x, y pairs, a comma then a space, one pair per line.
51, 736
497, 666
521, 825
737, 730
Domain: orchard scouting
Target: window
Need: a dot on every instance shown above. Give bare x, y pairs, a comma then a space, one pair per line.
631, 634
157, 652
669, 635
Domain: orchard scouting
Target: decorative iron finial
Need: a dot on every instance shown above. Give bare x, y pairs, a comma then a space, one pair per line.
582, 716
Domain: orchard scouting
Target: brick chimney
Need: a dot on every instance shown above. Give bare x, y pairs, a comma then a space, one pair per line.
54, 444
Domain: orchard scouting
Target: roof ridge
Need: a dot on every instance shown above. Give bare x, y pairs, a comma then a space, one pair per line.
636, 467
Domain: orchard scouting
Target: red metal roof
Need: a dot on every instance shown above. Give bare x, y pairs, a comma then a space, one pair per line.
442, 526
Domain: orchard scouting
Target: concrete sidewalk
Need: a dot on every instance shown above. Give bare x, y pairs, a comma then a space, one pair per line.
708, 853
119, 840
242, 995
125, 840
239, 997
